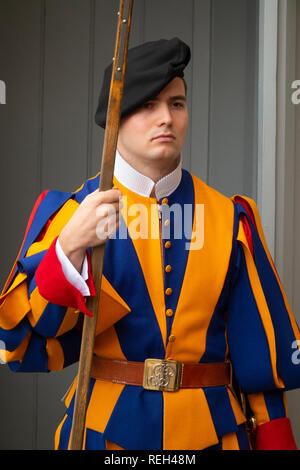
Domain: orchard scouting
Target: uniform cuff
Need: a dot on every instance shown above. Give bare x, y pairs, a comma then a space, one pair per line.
71, 273
54, 286
275, 435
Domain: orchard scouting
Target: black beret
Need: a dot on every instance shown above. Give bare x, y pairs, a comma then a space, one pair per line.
149, 68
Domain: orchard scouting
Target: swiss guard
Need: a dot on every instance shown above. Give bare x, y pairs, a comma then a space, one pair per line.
195, 336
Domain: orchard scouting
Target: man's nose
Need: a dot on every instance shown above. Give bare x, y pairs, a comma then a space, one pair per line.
164, 115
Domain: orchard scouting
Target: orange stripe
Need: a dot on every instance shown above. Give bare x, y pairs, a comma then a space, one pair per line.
148, 251
236, 408
187, 421
70, 392
107, 345
56, 226
38, 305
192, 319
57, 433
102, 402
259, 407
15, 304
111, 307
55, 354
69, 321
18, 353
112, 446
92, 178
230, 442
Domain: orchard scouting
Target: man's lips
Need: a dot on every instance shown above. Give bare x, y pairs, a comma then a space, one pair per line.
164, 138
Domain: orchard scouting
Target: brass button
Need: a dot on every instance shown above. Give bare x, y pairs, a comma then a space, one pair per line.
168, 244
169, 312
166, 223
172, 338
168, 269
169, 291
77, 310
164, 201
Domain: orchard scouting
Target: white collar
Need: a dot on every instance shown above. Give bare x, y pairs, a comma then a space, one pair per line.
141, 184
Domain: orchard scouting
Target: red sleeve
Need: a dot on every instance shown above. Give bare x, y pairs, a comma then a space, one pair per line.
53, 285
246, 225
275, 435
245, 222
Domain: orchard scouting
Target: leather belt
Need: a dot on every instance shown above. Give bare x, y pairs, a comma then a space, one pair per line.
162, 374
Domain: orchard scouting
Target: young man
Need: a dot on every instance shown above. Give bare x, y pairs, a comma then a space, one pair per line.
189, 293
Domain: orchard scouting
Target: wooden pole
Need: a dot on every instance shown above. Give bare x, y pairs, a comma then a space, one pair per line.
106, 182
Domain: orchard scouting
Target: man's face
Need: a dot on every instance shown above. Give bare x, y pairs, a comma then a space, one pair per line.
156, 131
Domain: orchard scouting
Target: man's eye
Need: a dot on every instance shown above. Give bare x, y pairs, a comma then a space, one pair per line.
148, 105
178, 104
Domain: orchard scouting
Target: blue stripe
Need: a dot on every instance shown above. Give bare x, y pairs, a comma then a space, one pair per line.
88, 187
31, 286
29, 265
35, 358
275, 404
177, 255
221, 410
136, 422
14, 337
284, 335
70, 343
216, 345
247, 338
215, 447
14, 366
51, 320
94, 440
70, 409
215, 349
242, 438
49, 205
65, 431
122, 269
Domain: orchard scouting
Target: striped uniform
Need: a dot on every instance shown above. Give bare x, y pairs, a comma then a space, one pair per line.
221, 301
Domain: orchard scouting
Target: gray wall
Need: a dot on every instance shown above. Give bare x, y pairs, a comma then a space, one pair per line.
297, 178
52, 56
295, 267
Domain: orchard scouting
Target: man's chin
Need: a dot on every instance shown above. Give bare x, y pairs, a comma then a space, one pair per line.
165, 153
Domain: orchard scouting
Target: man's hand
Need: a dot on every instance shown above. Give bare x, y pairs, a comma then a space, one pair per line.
95, 220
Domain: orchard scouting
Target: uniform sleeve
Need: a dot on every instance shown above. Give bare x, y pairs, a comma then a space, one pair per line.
40, 311
72, 275
36, 334
262, 331
273, 427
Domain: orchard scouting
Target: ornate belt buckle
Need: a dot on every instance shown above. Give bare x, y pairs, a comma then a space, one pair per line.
162, 374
